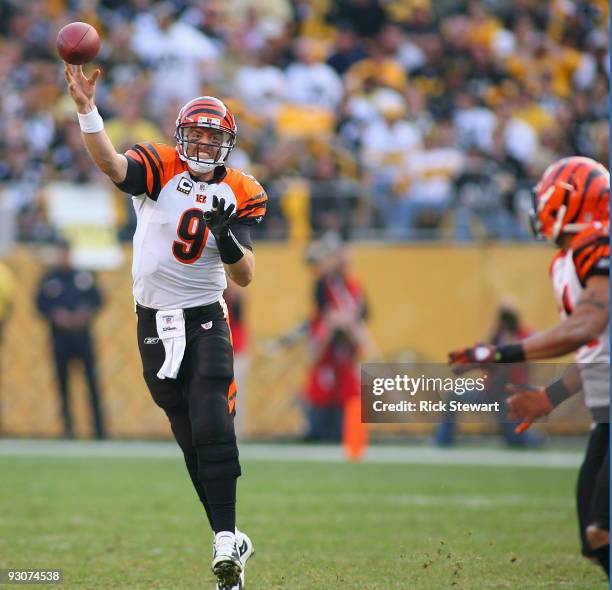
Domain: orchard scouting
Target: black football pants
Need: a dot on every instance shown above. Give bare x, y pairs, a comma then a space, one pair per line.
593, 491
199, 405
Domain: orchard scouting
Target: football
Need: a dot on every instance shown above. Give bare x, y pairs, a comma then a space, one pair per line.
78, 43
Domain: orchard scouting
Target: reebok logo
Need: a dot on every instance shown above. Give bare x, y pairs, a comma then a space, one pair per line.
151, 340
207, 325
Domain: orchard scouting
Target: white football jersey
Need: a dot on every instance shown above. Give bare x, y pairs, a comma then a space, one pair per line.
176, 262
588, 255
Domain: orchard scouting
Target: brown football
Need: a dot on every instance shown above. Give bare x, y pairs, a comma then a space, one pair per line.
78, 43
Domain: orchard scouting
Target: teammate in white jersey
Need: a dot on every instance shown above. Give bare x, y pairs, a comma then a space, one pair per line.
572, 210
194, 217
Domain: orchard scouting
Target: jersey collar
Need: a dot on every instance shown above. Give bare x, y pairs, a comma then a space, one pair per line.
219, 174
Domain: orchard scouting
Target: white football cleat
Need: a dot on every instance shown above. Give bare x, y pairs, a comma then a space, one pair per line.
226, 564
245, 552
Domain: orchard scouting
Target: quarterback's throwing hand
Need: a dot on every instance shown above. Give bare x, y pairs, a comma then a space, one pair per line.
218, 218
82, 89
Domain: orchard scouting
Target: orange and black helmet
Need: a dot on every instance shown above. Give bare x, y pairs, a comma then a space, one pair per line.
211, 113
572, 193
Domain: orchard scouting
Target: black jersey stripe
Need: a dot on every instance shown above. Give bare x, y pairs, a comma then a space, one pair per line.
156, 189
594, 242
155, 153
261, 195
262, 204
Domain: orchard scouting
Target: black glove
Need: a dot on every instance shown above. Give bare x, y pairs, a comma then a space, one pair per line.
218, 222
218, 218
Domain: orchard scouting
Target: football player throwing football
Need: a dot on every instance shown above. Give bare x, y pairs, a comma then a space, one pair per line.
194, 215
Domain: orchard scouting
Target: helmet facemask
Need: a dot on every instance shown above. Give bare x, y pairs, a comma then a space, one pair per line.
204, 147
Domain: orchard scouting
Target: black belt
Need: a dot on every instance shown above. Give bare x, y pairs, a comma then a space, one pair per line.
189, 312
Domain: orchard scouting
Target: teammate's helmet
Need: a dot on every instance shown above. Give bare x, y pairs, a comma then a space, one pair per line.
572, 193
205, 112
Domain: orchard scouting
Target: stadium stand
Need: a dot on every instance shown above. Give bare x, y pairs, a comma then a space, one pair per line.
381, 106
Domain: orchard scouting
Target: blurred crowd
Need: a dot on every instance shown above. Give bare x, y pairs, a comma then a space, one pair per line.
398, 119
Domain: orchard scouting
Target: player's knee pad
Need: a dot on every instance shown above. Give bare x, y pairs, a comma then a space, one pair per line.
207, 433
218, 461
210, 412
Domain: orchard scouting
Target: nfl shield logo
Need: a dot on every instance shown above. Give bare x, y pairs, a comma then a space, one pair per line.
168, 324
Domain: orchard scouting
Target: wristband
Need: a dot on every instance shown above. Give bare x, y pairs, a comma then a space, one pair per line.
557, 392
230, 249
91, 122
510, 353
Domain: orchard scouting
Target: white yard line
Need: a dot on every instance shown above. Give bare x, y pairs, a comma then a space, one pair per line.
295, 452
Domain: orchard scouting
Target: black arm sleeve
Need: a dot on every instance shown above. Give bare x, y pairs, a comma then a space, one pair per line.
242, 232
135, 182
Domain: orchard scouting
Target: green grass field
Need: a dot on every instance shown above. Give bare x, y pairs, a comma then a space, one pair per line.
135, 523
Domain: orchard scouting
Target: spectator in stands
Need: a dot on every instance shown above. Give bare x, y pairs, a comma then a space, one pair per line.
474, 122
348, 50
333, 196
310, 81
69, 299
122, 65
426, 184
366, 17
387, 142
381, 66
478, 191
129, 126
70, 161
181, 58
261, 84
514, 141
